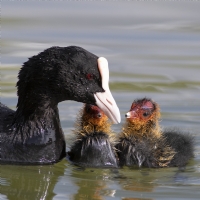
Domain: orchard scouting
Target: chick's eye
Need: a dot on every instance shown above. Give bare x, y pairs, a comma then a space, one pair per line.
145, 114
99, 115
89, 76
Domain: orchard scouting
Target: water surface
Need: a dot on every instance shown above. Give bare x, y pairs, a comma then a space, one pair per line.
153, 50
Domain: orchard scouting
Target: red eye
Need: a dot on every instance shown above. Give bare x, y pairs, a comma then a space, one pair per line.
89, 76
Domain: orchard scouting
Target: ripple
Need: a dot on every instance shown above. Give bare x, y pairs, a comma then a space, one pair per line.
4, 182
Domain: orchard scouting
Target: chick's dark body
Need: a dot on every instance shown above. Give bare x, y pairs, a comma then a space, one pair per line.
183, 144
94, 150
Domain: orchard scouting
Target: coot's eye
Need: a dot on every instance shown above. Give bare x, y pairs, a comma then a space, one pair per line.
89, 76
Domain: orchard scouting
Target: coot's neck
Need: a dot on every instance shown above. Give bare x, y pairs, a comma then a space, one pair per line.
34, 116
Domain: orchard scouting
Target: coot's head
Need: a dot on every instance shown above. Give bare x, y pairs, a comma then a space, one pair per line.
66, 73
143, 111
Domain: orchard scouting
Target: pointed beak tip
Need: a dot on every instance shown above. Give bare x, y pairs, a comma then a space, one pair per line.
117, 120
114, 115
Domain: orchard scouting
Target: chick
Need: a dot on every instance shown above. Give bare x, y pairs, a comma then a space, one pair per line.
95, 142
143, 143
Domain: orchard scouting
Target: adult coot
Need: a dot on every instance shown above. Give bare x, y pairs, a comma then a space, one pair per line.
32, 134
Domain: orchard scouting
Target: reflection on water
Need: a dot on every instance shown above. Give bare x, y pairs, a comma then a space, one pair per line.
30, 182
91, 183
38, 182
153, 51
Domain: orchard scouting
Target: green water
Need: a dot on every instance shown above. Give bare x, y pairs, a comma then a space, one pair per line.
153, 50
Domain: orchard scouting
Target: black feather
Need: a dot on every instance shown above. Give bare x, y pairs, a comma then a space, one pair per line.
93, 150
183, 144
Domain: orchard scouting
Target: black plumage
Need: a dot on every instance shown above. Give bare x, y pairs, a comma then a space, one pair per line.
183, 145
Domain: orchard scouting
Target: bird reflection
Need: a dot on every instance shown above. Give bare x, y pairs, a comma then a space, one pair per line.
96, 184
92, 184
30, 182
136, 183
